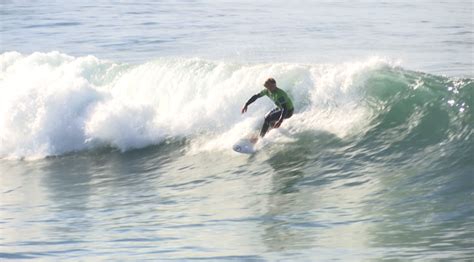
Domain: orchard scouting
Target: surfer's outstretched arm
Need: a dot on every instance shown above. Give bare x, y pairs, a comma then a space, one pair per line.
250, 101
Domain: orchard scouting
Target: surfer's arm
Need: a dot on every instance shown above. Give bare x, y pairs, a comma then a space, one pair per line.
250, 101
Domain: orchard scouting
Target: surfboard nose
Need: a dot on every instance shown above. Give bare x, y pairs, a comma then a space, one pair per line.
244, 146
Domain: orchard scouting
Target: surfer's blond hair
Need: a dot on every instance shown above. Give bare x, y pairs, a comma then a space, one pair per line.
270, 81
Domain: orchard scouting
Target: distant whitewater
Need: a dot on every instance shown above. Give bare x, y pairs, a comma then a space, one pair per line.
53, 103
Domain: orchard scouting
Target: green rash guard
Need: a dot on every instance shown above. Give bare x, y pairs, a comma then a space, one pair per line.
279, 97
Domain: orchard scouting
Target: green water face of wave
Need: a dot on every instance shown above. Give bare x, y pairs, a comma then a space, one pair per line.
417, 118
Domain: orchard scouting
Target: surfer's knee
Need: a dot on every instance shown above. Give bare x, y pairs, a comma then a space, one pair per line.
266, 120
268, 116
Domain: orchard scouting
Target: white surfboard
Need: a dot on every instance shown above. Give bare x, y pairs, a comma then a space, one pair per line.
244, 146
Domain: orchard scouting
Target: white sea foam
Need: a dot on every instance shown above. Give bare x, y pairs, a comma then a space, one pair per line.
52, 103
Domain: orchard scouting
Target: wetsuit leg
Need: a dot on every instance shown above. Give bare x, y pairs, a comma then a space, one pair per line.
271, 117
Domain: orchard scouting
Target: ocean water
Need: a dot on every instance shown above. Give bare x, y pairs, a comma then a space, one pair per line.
117, 120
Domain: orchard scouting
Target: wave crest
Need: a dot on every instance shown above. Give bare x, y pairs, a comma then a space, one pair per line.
52, 103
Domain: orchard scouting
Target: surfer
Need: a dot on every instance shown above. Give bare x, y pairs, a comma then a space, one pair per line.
283, 102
